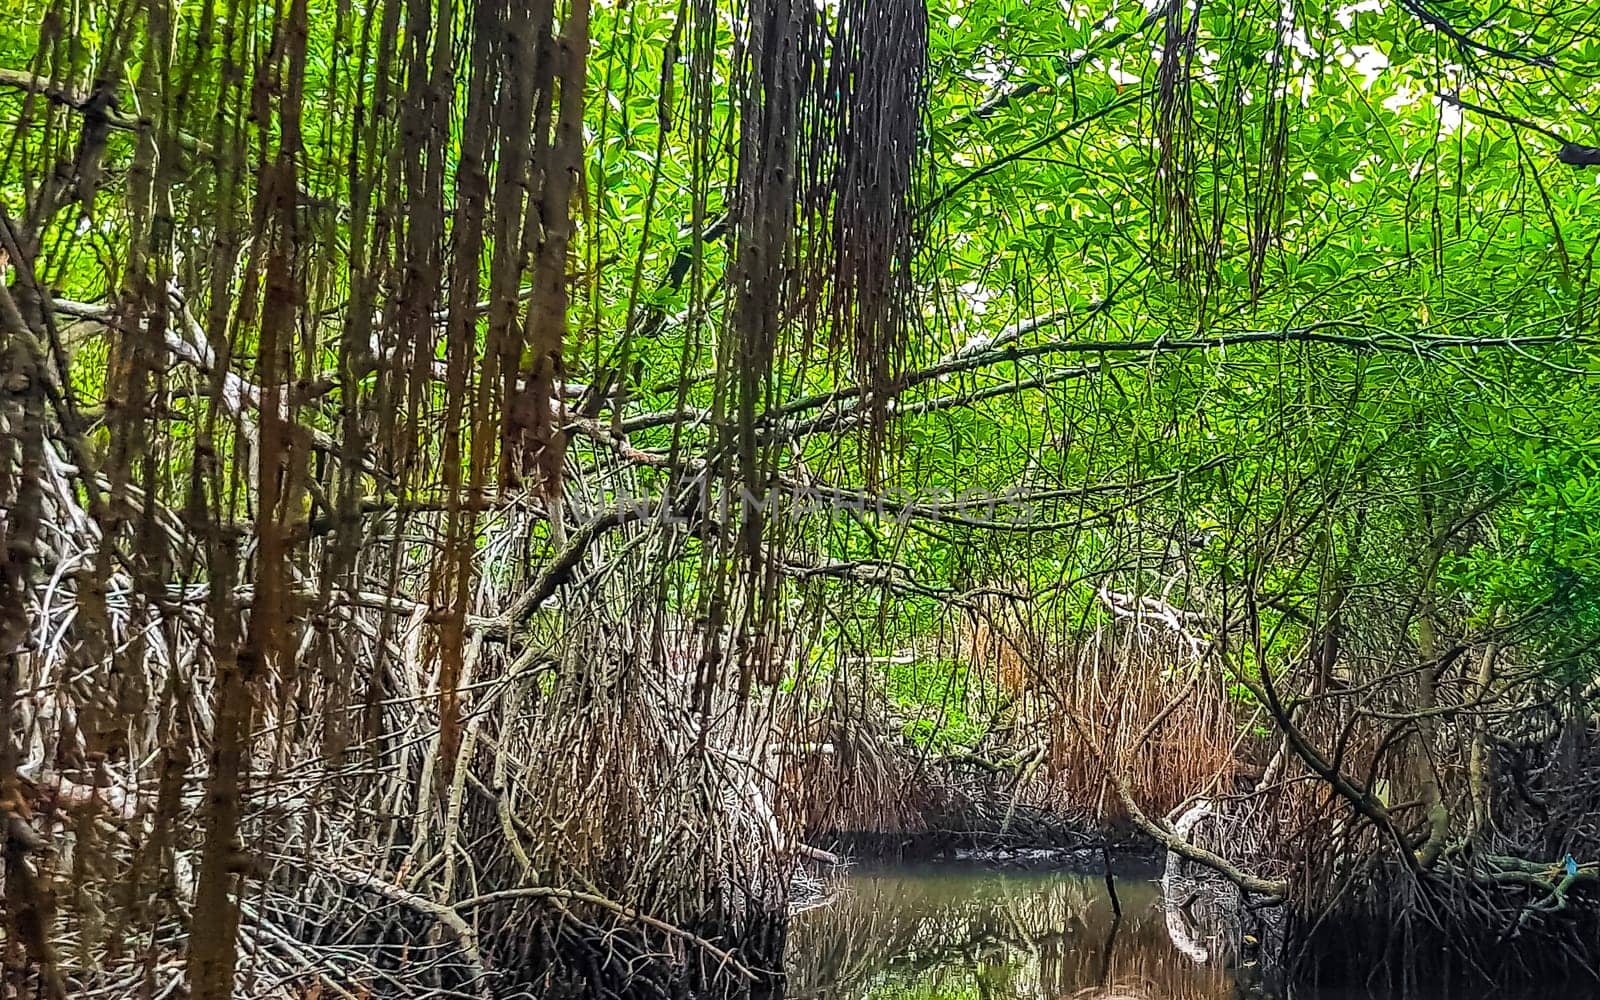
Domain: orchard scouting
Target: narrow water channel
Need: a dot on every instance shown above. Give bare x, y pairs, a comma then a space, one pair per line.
958, 933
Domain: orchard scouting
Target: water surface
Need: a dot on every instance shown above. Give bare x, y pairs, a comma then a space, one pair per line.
958, 933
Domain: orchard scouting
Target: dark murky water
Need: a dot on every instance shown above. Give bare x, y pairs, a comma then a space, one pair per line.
954, 934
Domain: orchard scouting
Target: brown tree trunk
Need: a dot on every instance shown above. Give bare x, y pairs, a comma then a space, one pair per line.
28, 903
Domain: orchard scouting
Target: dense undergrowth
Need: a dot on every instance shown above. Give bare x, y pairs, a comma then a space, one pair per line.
490, 491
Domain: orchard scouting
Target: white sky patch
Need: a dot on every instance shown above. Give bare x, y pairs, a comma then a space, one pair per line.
1346, 15
1308, 87
1370, 62
976, 296
1450, 117
1402, 98
1301, 44
991, 73
1118, 77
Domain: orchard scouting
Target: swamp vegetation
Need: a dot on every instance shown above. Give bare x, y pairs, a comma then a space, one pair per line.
498, 496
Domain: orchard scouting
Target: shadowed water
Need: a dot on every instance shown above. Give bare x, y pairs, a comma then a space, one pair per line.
956, 933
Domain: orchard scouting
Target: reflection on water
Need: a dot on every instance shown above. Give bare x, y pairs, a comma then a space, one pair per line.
989, 936
959, 933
